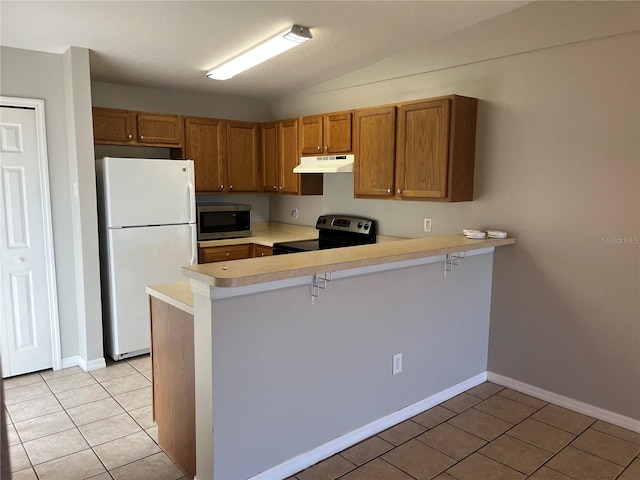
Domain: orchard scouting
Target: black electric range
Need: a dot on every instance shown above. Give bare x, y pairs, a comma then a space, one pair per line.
334, 231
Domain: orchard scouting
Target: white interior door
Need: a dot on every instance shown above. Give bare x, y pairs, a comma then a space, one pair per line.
29, 305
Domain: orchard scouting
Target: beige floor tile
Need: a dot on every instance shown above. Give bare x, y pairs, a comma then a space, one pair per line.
376, 469
480, 424
26, 474
42, 426
94, 411
51, 374
82, 395
418, 460
583, 466
127, 383
506, 409
329, 469
154, 467
479, 467
632, 472
125, 450
402, 432
34, 408
616, 431
18, 458
12, 436
21, 380
444, 476
484, 390
516, 454
135, 399
7, 417
522, 398
542, 435
141, 363
546, 473
451, 441
77, 466
109, 429
564, 419
144, 416
102, 476
70, 382
148, 375
112, 371
460, 403
606, 446
434, 416
25, 393
55, 446
153, 433
366, 450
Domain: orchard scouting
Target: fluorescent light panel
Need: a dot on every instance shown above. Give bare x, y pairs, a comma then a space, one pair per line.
268, 49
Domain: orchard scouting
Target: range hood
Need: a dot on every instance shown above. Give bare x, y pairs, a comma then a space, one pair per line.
325, 164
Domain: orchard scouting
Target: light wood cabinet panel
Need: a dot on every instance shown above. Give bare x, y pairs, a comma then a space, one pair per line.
224, 253
243, 157
375, 146
262, 250
326, 134
288, 156
173, 367
125, 127
205, 144
270, 157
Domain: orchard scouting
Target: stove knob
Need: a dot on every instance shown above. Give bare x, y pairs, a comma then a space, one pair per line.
366, 227
359, 224
324, 220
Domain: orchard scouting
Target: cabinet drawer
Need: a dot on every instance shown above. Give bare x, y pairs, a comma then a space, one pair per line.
220, 254
262, 250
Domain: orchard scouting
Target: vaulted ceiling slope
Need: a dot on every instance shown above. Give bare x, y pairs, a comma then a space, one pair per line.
171, 45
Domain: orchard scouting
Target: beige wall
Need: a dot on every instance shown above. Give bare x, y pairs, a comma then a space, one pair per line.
558, 166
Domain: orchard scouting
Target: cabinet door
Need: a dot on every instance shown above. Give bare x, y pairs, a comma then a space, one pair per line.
220, 254
288, 156
160, 129
270, 157
205, 142
375, 147
337, 133
243, 157
311, 135
113, 126
262, 250
423, 149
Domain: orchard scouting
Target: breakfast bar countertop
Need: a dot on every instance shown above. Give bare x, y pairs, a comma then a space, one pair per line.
238, 273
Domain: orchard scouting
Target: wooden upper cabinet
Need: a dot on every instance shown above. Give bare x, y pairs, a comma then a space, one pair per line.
244, 165
435, 149
125, 127
374, 146
270, 157
205, 144
288, 156
326, 134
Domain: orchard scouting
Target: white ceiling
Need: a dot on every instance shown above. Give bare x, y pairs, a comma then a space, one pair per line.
171, 45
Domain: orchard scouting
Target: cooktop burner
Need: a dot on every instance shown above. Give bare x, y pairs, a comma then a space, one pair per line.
334, 231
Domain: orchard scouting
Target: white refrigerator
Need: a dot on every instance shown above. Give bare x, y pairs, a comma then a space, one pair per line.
147, 233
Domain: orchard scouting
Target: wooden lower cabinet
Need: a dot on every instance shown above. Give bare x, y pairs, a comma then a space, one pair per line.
174, 406
262, 250
228, 252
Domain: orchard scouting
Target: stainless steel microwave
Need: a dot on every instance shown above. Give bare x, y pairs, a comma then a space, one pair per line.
223, 220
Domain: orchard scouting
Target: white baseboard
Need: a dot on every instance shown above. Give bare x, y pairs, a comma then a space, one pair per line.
347, 440
85, 365
570, 403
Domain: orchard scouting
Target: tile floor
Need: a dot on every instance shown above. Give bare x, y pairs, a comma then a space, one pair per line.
72, 425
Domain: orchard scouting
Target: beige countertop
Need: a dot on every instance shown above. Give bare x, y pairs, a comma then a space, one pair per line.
178, 294
238, 273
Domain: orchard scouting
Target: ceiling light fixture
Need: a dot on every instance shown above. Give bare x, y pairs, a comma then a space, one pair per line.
295, 35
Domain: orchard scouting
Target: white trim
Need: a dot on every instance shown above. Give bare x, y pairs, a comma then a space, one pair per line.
570, 403
328, 449
68, 362
52, 291
91, 365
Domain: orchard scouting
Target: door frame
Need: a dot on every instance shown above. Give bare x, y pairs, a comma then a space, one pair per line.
43, 167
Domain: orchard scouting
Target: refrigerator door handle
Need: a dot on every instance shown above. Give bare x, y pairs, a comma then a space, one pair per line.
191, 191
194, 244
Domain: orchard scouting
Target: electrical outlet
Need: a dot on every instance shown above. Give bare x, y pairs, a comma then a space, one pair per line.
294, 213
427, 224
397, 364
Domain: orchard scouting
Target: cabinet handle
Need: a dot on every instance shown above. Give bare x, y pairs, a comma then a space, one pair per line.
275, 187
262, 254
389, 191
326, 148
129, 136
399, 191
141, 137
280, 187
228, 254
230, 187
221, 187
319, 148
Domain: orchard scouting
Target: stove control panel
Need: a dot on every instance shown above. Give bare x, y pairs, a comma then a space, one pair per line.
345, 223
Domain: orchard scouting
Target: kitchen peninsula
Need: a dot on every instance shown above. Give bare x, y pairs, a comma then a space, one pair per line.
293, 353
